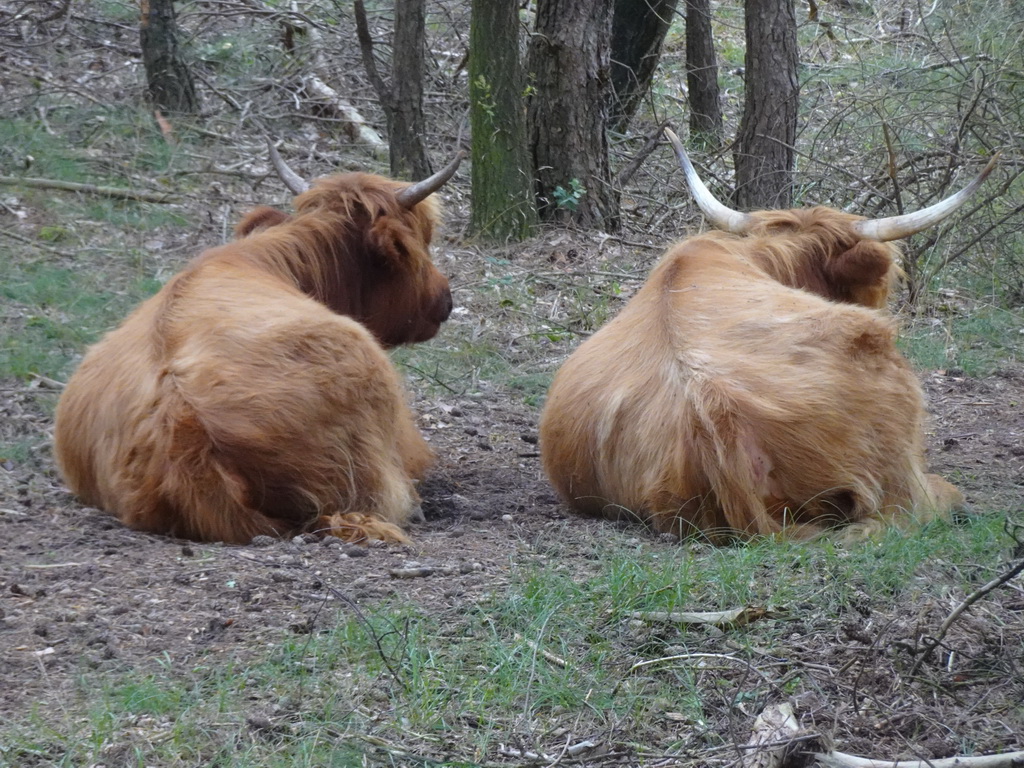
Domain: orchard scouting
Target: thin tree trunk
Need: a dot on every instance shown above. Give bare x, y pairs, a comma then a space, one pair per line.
502, 206
409, 159
402, 98
569, 59
171, 87
764, 155
702, 75
638, 32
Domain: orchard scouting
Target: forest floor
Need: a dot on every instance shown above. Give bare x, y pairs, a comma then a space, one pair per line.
509, 632
83, 597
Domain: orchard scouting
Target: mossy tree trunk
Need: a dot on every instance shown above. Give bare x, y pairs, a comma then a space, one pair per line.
502, 206
764, 156
569, 61
702, 75
638, 32
170, 83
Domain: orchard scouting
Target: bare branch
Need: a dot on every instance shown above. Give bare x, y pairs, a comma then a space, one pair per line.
91, 189
971, 599
630, 168
843, 760
366, 49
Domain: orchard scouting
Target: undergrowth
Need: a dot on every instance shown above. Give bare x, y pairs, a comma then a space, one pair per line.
51, 313
559, 649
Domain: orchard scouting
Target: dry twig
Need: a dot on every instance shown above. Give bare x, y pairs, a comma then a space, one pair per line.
90, 189
842, 760
971, 599
558, 661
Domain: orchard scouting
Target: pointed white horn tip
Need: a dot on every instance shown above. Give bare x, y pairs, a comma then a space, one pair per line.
421, 190
720, 215
897, 227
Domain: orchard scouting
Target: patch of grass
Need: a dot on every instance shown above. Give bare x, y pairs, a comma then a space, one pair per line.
115, 10
86, 145
27, 146
558, 647
452, 366
52, 313
515, 329
17, 451
977, 340
125, 216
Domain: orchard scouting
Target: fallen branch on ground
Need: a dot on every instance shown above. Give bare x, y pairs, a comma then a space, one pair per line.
33, 243
686, 657
355, 123
47, 381
315, 85
842, 760
91, 189
731, 619
971, 599
558, 661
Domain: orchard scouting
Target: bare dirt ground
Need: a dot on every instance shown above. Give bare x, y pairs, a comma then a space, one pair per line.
80, 592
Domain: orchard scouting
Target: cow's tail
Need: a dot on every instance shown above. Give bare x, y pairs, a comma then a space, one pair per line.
731, 457
208, 499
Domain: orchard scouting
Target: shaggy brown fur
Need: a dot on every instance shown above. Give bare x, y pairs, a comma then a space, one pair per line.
750, 387
252, 394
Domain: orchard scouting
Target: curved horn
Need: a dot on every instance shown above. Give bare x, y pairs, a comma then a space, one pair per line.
895, 227
419, 191
291, 179
721, 216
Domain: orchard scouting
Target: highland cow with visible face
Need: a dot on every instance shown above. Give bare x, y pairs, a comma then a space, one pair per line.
253, 394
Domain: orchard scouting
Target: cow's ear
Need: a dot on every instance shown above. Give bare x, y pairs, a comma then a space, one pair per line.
392, 239
867, 263
259, 219
863, 274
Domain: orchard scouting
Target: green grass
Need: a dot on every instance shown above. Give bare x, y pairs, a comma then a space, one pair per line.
28, 147
401, 680
52, 313
977, 340
18, 451
86, 145
508, 337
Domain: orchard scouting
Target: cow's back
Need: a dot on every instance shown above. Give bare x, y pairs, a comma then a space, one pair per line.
737, 404
231, 405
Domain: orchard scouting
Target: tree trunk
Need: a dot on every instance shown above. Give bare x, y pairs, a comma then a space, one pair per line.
502, 206
702, 75
764, 156
638, 32
409, 159
402, 98
569, 58
170, 83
